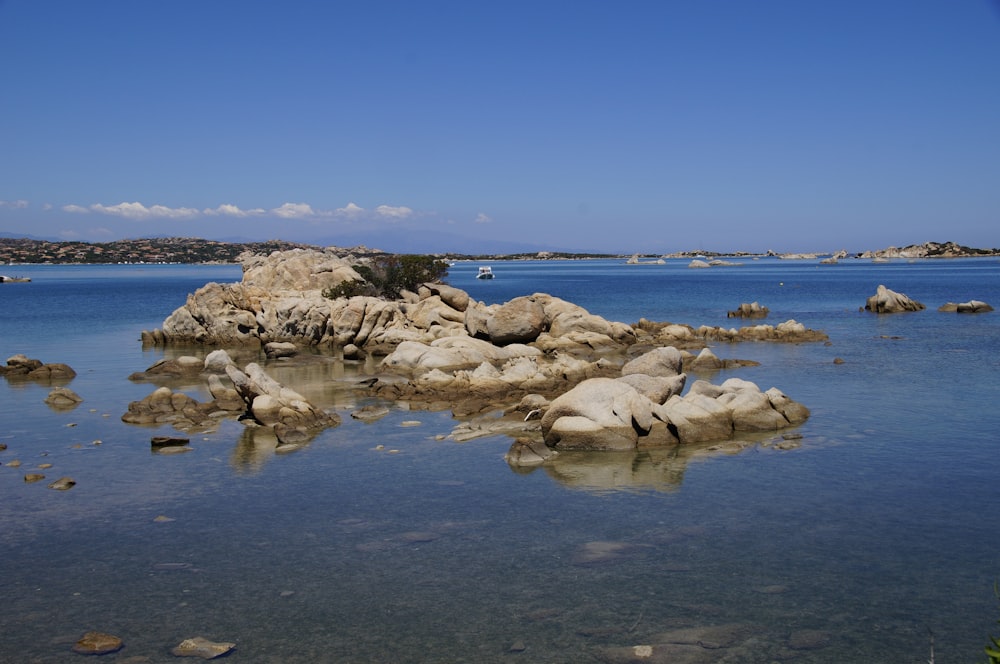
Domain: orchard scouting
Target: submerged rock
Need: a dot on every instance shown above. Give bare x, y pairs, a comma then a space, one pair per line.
98, 643
63, 484
202, 647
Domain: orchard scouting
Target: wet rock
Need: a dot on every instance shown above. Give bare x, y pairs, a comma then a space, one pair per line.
63, 398
31, 478
370, 413
278, 349
185, 365
202, 647
98, 643
63, 484
526, 452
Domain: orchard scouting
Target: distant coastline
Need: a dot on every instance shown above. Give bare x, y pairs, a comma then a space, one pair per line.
179, 250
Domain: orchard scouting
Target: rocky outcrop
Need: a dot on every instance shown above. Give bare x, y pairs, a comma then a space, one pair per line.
22, 367
886, 301
617, 414
253, 396
651, 333
751, 310
970, 307
599, 384
929, 250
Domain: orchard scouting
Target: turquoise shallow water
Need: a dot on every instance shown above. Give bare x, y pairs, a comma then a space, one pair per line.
882, 525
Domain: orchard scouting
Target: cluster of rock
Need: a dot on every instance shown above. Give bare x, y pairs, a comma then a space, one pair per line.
23, 367
440, 347
643, 407
252, 395
886, 301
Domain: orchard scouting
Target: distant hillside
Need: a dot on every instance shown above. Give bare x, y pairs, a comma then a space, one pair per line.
150, 250
930, 250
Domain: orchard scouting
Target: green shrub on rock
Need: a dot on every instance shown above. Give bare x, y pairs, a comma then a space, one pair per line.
389, 275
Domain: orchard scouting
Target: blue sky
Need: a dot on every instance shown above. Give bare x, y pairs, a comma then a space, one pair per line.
792, 125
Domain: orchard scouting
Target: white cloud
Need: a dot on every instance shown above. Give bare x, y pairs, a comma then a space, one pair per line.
483, 218
16, 205
399, 212
140, 211
229, 210
78, 209
350, 211
294, 211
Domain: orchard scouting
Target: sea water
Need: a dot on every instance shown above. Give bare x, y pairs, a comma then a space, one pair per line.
387, 542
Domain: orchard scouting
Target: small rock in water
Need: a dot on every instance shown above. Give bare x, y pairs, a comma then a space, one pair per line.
33, 477
63, 484
97, 643
517, 646
163, 519
201, 647
16, 463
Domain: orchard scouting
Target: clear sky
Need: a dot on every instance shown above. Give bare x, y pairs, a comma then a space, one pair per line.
633, 126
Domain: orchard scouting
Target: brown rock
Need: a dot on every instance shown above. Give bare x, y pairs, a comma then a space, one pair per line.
202, 647
98, 643
63, 484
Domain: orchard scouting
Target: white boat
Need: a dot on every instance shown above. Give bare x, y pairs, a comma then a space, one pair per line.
485, 272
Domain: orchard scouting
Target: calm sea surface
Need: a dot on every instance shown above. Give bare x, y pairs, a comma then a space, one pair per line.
881, 527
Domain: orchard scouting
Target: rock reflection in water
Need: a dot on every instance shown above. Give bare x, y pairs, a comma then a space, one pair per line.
656, 469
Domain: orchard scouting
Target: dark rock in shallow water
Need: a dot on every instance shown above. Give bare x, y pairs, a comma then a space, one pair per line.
63, 484
98, 643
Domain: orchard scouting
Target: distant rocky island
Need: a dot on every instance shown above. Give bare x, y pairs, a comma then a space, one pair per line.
197, 250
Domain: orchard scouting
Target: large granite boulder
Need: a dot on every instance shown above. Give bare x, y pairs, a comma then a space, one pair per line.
520, 320
597, 414
886, 301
